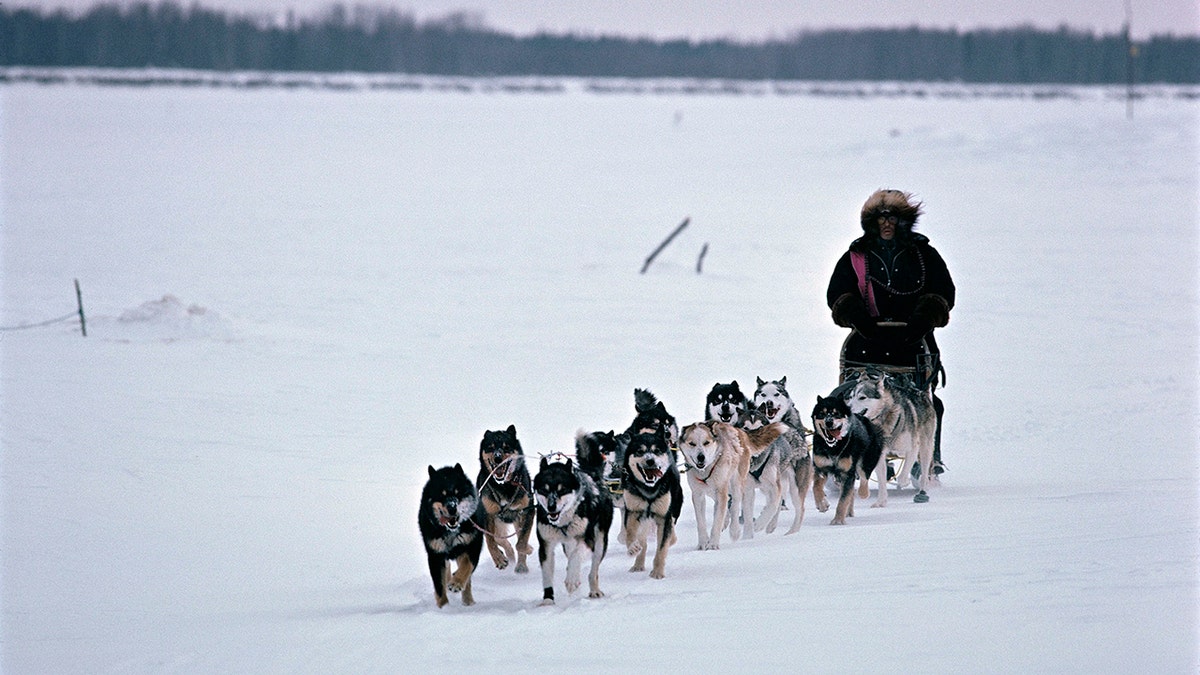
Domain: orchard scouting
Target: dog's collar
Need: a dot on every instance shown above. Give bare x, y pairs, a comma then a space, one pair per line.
711, 468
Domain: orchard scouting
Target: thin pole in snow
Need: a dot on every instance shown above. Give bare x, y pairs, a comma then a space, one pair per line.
700, 260
663, 245
79, 302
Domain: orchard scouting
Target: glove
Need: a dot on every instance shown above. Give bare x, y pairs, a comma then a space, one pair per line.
916, 329
850, 311
929, 312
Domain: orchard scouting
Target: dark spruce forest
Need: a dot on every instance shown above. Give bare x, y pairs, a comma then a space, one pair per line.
376, 40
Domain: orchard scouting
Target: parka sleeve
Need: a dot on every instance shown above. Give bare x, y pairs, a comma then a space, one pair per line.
939, 282
843, 281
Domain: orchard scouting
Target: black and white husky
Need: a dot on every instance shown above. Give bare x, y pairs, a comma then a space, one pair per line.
725, 403
653, 494
906, 417
845, 445
574, 512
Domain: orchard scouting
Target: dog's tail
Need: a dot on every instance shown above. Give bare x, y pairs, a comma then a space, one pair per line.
643, 400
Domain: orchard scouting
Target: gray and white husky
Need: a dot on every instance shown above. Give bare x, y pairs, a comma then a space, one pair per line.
572, 511
792, 471
772, 398
908, 422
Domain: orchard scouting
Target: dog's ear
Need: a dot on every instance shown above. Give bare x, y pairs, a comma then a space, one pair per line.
512, 430
783, 381
734, 384
761, 381
543, 464
431, 471
458, 468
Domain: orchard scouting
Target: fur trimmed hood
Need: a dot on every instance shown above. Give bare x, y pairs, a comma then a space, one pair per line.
893, 202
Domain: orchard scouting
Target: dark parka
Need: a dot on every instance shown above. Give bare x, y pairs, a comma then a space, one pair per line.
908, 276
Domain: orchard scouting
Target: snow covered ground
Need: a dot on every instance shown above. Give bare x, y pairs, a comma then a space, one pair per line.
299, 298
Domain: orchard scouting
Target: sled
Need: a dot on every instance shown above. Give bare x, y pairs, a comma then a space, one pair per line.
920, 366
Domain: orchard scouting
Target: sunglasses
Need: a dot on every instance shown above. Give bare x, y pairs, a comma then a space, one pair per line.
888, 219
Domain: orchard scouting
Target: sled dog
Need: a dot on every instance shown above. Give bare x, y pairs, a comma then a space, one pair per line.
908, 423
652, 417
576, 513
726, 403
653, 493
772, 398
845, 446
717, 465
598, 454
451, 520
503, 485
795, 465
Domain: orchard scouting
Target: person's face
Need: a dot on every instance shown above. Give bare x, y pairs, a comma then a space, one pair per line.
887, 227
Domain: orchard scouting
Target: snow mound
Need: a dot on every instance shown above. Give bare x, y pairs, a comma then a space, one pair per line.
169, 319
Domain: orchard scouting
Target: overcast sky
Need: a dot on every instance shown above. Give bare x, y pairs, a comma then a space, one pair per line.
752, 19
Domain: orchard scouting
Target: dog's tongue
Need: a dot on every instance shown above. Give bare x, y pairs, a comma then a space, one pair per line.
447, 521
653, 474
770, 409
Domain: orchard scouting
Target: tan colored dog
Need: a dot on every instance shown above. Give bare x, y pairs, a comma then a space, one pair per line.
717, 464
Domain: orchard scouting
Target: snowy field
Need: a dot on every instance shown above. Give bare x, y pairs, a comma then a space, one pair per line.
298, 298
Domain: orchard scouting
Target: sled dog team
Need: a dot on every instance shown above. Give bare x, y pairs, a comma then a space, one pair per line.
744, 446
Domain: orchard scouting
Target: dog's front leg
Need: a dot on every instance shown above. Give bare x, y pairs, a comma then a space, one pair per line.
702, 538
495, 534
881, 490
800, 478
524, 530
461, 581
737, 490
594, 573
546, 559
819, 491
665, 532
439, 571
720, 510
637, 541
845, 505
748, 509
574, 551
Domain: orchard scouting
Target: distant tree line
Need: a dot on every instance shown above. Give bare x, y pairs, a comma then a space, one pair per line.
168, 35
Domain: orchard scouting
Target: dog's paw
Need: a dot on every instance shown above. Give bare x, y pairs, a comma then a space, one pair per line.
596, 594
522, 568
638, 567
500, 560
572, 585
467, 602
879, 504
823, 506
712, 546
657, 574
636, 547
548, 602
455, 586
838, 521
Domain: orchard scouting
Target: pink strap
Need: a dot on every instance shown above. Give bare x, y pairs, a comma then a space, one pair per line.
859, 262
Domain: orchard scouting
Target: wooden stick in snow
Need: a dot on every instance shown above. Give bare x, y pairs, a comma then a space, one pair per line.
79, 302
700, 260
664, 244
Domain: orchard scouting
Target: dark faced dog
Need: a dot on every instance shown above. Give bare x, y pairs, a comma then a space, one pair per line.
652, 417
574, 512
726, 403
845, 445
504, 488
599, 454
653, 493
451, 523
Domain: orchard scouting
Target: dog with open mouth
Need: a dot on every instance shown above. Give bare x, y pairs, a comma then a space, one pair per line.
504, 488
653, 495
845, 446
450, 519
574, 512
726, 403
